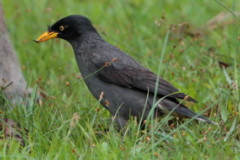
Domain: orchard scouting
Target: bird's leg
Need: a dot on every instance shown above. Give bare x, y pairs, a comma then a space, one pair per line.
121, 122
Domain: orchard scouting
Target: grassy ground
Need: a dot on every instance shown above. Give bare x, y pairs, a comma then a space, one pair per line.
71, 124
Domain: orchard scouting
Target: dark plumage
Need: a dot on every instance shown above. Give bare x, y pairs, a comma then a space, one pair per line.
125, 86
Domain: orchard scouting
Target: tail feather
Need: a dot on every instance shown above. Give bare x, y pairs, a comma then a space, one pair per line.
181, 110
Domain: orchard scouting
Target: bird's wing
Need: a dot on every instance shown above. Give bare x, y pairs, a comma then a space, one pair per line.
125, 71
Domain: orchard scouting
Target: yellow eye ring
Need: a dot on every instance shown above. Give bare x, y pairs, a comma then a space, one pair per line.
61, 28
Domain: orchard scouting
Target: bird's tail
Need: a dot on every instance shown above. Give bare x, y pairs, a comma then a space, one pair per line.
182, 110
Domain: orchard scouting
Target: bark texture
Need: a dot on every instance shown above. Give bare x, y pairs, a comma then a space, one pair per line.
12, 82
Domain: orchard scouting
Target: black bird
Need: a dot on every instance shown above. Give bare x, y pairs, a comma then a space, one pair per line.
124, 87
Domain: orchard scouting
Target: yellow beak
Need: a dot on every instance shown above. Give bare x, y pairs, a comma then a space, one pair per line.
46, 36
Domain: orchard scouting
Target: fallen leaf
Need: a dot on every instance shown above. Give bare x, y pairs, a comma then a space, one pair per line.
11, 129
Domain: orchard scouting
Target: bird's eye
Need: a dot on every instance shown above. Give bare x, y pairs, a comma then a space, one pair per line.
61, 28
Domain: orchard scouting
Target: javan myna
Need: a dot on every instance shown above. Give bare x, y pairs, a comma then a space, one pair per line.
125, 88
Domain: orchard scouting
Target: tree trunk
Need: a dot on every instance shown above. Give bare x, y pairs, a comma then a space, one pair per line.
13, 84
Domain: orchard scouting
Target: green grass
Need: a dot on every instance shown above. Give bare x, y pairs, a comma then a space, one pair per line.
139, 28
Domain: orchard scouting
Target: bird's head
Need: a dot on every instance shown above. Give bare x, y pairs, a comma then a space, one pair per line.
68, 28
